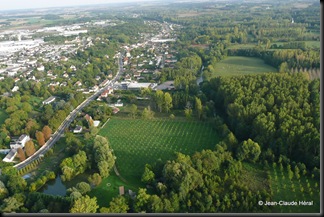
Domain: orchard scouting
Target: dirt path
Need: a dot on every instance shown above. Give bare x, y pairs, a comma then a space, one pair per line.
105, 123
117, 173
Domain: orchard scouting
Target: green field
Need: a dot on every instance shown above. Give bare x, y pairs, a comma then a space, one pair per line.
108, 189
136, 142
237, 65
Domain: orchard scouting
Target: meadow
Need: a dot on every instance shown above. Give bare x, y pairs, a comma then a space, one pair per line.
137, 142
237, 65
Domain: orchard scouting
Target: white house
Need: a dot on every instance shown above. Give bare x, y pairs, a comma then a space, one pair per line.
73, 67
94, 88
15, 89
119, 103
96, 123
20, 142
78, 83
41, 68
78, 129
110, 90
104, 83
10, 156
49, 100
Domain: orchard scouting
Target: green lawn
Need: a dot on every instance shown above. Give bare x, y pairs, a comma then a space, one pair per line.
136, 142
108, 189
237, 65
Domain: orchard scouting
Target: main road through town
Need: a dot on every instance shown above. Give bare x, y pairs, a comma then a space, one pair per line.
68, 120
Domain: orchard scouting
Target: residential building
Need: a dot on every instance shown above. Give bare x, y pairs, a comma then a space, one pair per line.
10, 156
119, 103
20, 142
78, 129
49, 100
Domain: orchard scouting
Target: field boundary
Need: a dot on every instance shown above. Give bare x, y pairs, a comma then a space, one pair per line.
105, 123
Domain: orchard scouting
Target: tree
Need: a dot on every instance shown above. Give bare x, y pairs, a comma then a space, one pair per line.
3, 190
47, 132
297, 171
188, 112
148, 175
84, 204
198, 107
48, 112
133, 110
283, 67
95, 179
40, 138
159, 99
75, 195
249, 150
26, 107
167, 102
117, 205
21, 154
147, 113
103, 168
103, 156
141, 200
31, 127
83, 187
30, 148
93, 131
10, 204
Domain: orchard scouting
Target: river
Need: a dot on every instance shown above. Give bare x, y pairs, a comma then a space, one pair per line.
200, 79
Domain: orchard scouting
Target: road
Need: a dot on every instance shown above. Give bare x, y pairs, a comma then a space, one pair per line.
68, 120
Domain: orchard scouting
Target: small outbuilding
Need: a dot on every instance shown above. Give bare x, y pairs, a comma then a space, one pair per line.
121, 190
78, 129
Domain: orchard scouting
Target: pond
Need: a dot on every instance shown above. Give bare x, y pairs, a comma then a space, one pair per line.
57, 187
54, 187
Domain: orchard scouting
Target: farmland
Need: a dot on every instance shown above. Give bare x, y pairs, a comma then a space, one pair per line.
237, 65
136, 142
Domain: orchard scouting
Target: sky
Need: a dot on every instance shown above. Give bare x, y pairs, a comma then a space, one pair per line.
26, 4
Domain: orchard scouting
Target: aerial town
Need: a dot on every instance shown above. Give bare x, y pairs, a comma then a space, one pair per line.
199, 106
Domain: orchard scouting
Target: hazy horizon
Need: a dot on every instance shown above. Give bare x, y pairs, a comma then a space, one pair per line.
34, 4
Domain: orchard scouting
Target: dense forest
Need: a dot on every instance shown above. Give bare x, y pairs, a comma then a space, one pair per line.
279, 111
